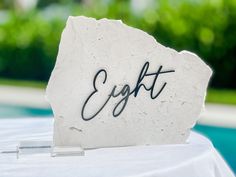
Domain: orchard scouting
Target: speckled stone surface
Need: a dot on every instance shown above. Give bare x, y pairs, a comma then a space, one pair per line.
114, 85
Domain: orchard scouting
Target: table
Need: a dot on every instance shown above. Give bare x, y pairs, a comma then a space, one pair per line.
197, 158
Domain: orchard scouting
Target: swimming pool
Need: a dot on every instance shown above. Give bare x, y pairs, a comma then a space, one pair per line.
224, 139
13, 111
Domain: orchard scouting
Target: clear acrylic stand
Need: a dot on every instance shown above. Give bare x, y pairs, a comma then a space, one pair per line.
67, 151
33, 147
38, 147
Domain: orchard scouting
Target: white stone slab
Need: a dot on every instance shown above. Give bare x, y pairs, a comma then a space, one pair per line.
101, 88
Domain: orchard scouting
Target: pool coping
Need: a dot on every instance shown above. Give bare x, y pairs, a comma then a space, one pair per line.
214, 114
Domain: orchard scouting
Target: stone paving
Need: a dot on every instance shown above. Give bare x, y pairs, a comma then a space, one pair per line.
214, 114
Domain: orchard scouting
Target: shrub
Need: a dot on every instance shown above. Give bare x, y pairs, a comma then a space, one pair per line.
29, 41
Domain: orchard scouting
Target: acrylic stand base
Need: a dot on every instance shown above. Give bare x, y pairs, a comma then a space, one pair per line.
67, 151
33, 147
38, 147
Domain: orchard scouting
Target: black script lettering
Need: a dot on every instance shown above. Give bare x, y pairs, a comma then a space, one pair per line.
125, 92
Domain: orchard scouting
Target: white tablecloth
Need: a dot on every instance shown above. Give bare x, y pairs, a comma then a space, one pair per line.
198, 158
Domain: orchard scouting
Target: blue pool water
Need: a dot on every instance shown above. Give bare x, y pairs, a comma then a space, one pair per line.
12, 111
224, 139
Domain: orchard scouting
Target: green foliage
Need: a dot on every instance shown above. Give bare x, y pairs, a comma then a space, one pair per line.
221, 96
23, 83
29, 40
28, 46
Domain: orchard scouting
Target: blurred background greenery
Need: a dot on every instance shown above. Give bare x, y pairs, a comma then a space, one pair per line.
30, 31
